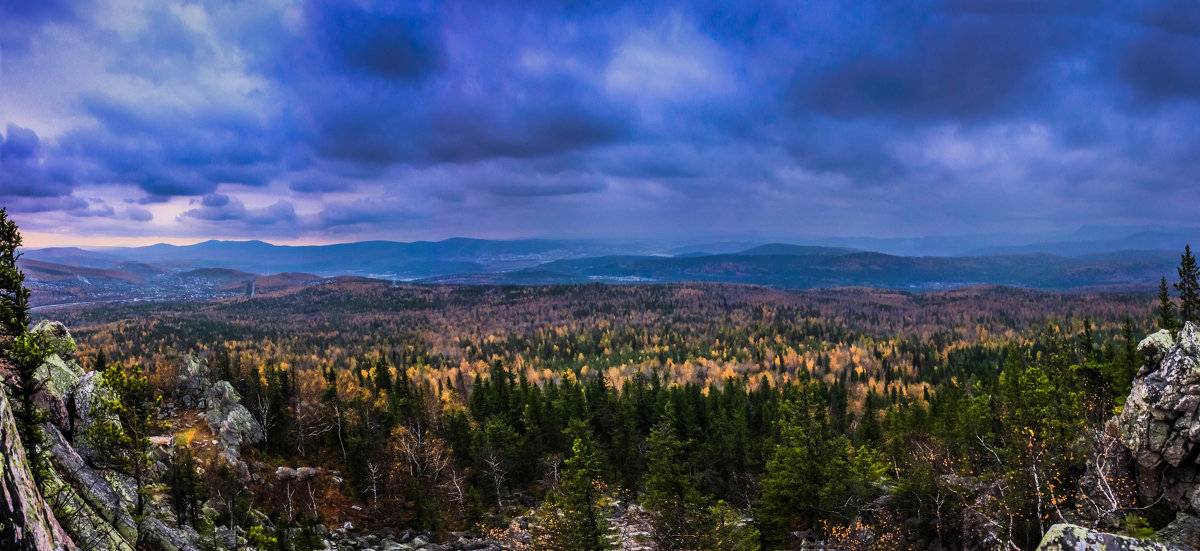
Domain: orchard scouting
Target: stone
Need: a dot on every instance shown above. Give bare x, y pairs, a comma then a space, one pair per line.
1069, 537
231, 423
305, 473
191, 382
1185, 529
1154, 348
1158, 427
285, 473
57, 338
1189, 339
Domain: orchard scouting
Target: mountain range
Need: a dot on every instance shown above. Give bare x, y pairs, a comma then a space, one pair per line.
214, 269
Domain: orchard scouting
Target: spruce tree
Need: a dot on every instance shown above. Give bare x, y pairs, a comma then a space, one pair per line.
1166, 308
1189, 293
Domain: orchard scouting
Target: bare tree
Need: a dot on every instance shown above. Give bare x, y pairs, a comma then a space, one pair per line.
495, 471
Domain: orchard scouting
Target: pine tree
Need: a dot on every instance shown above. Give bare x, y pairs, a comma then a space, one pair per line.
1188, 287
1166, 308
124, 422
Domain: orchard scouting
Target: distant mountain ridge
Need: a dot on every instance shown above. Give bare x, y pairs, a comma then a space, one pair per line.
213, 269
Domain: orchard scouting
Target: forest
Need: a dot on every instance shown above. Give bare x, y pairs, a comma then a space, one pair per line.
723, 416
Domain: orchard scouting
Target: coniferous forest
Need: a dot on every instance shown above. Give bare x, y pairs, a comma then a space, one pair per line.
720, 416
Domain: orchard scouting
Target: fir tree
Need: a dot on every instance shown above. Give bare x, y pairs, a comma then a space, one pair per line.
1166, 308
575, 518
1129, 359
677, 510
24, 351
184, 486
14, 297
1189, 293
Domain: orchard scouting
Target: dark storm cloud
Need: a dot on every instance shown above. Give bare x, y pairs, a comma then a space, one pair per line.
393, 41
223, 208
25, 173
175, 151
459, 111
21, 20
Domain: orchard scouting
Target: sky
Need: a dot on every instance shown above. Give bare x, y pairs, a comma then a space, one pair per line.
317, 122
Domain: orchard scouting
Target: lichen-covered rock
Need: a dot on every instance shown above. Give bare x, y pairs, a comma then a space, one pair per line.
1150, 452
1153, 349
231, 423
1160, 423
59, 373
57, 338
26, 521
1068, 537
192, 382
1184, 529
104, 501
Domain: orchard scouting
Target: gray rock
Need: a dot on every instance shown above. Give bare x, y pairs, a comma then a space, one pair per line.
192, 381
57, 338
1068, 537
1185, 529
305, 473
1154, 348
285, 473
231, 423
1158, 427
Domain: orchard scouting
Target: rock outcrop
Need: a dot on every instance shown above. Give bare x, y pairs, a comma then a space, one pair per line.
228, 420
26, 520
1158, 430
1068, 537
91, 504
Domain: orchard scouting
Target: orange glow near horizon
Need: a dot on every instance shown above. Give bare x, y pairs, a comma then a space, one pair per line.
40, 240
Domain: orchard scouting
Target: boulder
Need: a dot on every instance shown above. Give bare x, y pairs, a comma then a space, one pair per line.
57, 338
1159, 425
1185, 529
58, 375
230, 421
1154, 348
192, 382
1068, 537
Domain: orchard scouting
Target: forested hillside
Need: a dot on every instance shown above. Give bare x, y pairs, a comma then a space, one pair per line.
731, 416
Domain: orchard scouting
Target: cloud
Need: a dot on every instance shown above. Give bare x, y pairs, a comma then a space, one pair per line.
23, 170
172, 150
138, 214
223, 208
20, 21
393, 41
379, 119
